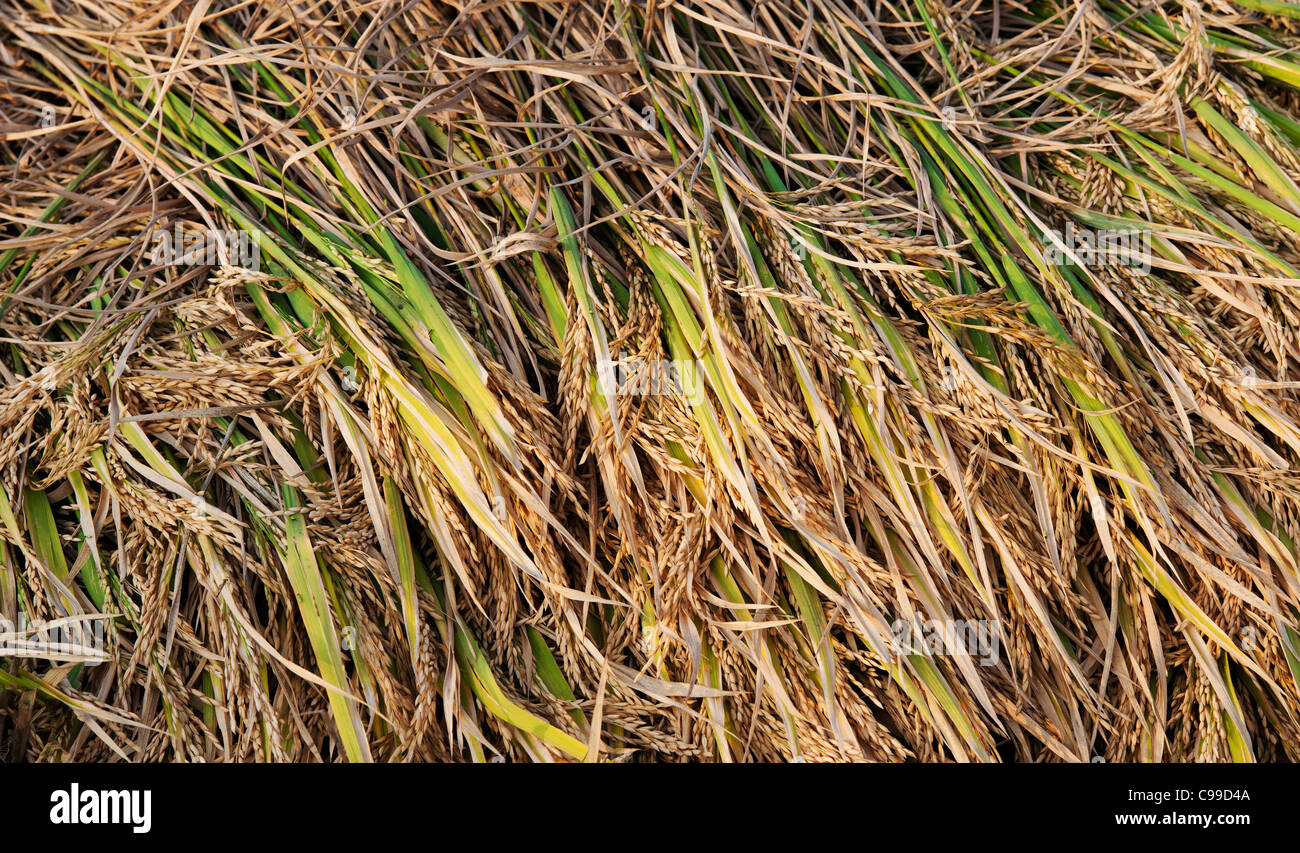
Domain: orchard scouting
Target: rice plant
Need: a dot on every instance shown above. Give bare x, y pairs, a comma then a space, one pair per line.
601, 381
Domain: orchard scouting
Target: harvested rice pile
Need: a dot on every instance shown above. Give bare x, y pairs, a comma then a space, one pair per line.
664, 381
